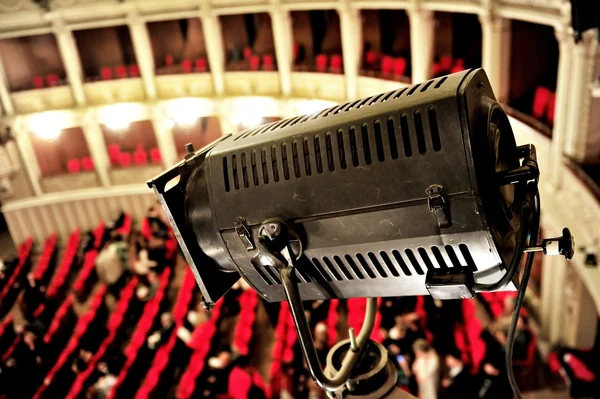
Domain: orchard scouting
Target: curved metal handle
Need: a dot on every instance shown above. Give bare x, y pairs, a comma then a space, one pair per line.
305, 336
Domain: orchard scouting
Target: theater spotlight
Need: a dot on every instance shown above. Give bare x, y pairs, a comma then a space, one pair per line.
418, 191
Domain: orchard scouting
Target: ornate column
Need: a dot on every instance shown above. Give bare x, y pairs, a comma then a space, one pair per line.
351, 32
583, 59
70, 59
143, 53
30, 162
213, 40
95, 141
164, 139
5, 99
422, 38
284, 43
495, 58
563, 81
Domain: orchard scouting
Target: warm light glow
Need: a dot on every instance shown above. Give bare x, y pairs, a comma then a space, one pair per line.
186, 111
118, 117
250, 111
308, 107
47, 125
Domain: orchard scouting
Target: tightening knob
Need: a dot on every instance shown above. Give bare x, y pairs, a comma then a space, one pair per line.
563, 245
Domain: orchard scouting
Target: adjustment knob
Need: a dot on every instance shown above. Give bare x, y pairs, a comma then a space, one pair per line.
564, 245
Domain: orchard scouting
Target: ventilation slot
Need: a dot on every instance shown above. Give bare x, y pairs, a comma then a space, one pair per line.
319, 267
365, 141
351, 105
273, 274
295, 159
343, 268
452, 256
305, 277
377, 265
226, 175
263, 275
375, 99
332, 269
434, 129
287, 122
440, 82
274, 164
426, 259
284, 161
391, 130
317, 143
401, 262
296, 120
464, 250
341, 151
420, 133
365, 265
387, 97
263, 163
413, 89
389, 264
245, 171
379, 142
414, 262
438, 256
400, 93
353, 148
254, 168
275, 125
236, 182
424, 88
262, 129
306, 156
329, 150
363, 102
405, 135
338, 109
353, 266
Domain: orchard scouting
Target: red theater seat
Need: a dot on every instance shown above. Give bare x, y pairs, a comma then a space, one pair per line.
254, 62
52, 80
186, 66
459, 65
551, 104
140, 157
371, 57
124, 159
387, 64
155, 156
321, 62
541, 100
446, 62
268, 62
106, 73
114, 150
169, 61
134, 71
200, 64
87, 163
247, 53
121, 71
73, 166
295, 52
335, 65
38, 82
399, 67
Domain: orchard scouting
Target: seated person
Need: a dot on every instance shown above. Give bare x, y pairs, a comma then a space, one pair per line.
160, 336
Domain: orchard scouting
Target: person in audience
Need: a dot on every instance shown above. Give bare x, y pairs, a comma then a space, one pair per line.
33, 296
458, 379
403, 369
321, 344
146, 290
80, 363
494, 381
105, 382
110, 264
161, 335
426, 369
217, 375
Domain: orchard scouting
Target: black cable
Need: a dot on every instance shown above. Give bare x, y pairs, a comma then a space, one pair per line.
510, 338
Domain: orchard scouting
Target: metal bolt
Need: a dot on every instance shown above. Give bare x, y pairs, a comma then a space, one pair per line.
189, 148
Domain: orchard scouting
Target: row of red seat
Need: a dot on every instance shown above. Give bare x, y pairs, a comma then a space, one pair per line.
114, 322
543, 104
84, 164
241, 381
285, 338
43, 271
332, 322
86, 274
65, 308
150, 313
322, 61
447, 65
267, 62
199, 64
125, 229
39, 82
64, 269
202, 338
20, 270
80, 329
243, 329
162, 356
98, 234
120, 72
475, 346
139, 157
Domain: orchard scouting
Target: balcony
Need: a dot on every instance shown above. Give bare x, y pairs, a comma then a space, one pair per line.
29, 101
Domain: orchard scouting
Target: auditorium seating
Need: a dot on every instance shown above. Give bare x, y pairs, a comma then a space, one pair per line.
52, 80
162, 356
121, 71
155, 156
106, 73
335, 64
243, 330
332, 322
73, 166
321, 63
66, 265
254, 62
10, 290
134, 71
268, 62
186, 66
87, 164
125, 159
38, 82
387, 65
200, 65
114, 151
